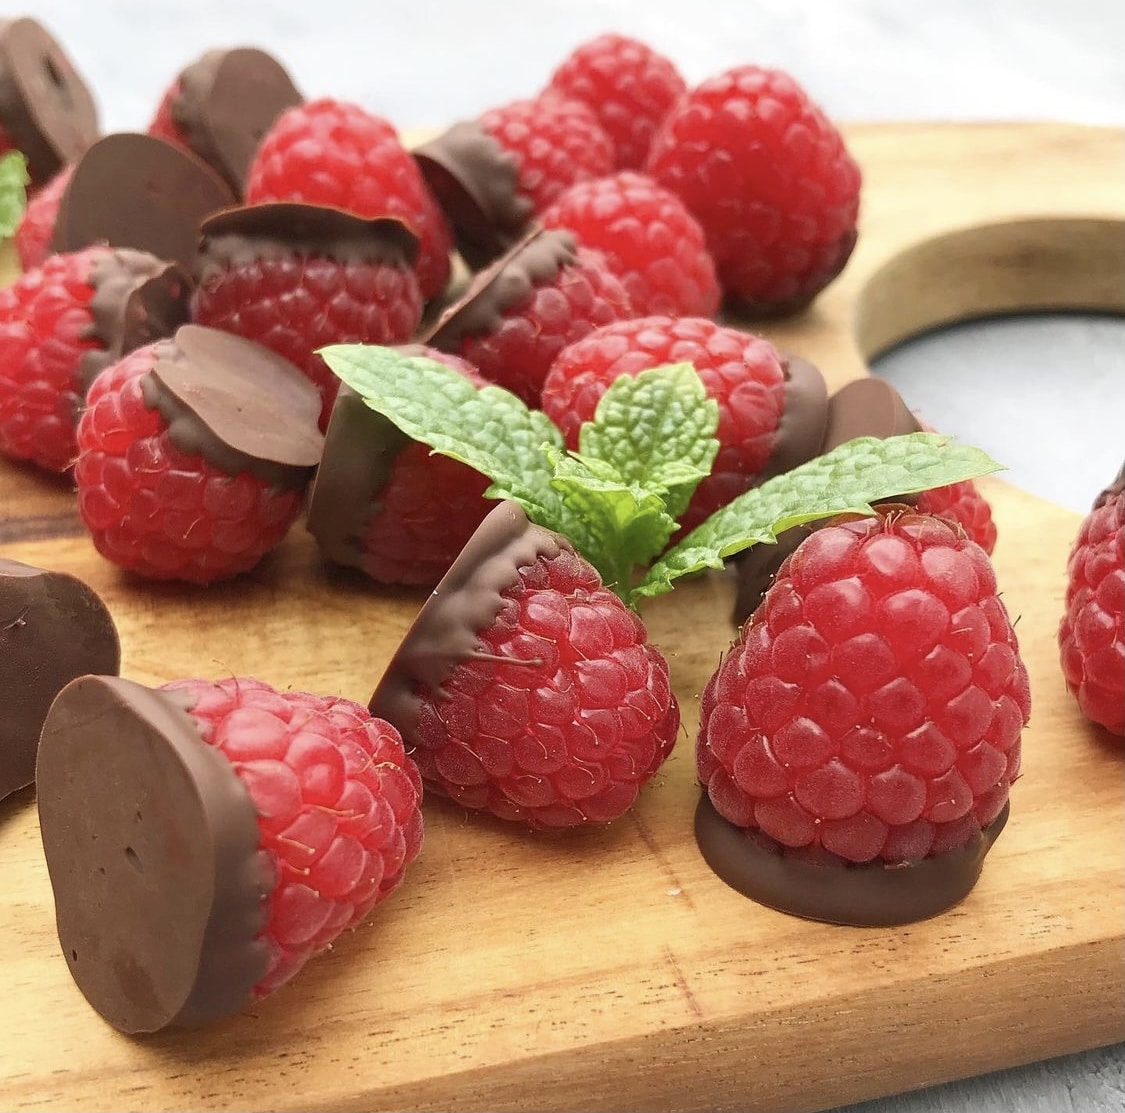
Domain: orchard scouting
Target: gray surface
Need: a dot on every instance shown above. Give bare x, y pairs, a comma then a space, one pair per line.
431, 63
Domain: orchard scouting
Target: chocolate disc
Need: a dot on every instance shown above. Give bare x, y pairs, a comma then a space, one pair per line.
152, 850
872, 894
45, 107
52, 629
131, 190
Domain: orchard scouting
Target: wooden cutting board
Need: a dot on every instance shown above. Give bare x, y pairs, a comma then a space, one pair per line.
611, 970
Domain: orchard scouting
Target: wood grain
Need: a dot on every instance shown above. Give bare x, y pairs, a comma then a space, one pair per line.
611, 970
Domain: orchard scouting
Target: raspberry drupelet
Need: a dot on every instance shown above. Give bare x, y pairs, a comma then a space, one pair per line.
37, 225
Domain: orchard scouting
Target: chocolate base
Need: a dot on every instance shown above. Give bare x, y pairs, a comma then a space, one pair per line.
872, 894
152, 849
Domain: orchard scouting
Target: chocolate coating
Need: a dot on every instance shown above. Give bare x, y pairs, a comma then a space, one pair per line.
874, 894
465, 603
506, 284
152, 849
131, 190
804, 418
227, 101
476, 182
53, 627
237, 404
45, 106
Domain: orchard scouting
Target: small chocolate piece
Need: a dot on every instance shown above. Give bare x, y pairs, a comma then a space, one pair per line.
476, 182
152, 849
465, 603
506, 284
227, 101
360, 446
45, 107
872, 894
131, 190
53, 627
137, 299
237, 404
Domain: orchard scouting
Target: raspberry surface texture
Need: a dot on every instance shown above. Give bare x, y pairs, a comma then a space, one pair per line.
337, 801
648, 239
963, 503
1092, 630
769, 178
872, 705
628, 86
33, 236
329, 152
742, 372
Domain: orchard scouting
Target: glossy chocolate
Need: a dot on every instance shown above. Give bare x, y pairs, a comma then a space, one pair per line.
804, 419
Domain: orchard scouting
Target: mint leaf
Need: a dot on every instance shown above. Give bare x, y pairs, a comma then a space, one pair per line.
846, 480
13, 192
658, 430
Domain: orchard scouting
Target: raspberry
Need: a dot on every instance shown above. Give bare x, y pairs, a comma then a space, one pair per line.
549, 707
1092, 630
963, 503
37, 226
332, 153
556, 142
163, 124
648, 239
292, 287
157, 509
627, 85
872, 706
544, 295
768, 176
337, 801
743, 373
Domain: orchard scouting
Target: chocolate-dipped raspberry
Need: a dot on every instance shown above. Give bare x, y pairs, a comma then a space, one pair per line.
53, 628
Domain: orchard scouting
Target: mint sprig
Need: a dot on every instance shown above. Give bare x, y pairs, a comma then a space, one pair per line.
639, 462
13, 191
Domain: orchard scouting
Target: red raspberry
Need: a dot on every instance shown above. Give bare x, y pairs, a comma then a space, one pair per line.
293, 288
743, 373
628, 86
768, 176
331, 153
163, 124
873, 704
556, 142
1092, 630
962, 503
553, 709
156, 509
648, 239
37, 226
337, 801
541, 297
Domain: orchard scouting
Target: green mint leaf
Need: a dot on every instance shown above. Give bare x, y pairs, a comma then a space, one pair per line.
13, 192
846, 480
489, 429
658, 430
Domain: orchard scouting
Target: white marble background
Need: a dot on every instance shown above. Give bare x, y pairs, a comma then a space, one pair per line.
429, 63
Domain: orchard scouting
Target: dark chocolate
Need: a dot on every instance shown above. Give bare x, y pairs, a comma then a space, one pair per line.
447, 630
476, 183
804, 419
506, 284
360, 446
226, 102
45, 106
131, 190
53, 627
871, 894
237, 404
152, 849
137, 299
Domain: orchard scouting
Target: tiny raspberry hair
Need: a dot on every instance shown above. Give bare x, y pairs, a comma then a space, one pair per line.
742, 372
337, 801
963, 503
37, 226
628, 86
873, 704
329, 152
768, 176
648, 239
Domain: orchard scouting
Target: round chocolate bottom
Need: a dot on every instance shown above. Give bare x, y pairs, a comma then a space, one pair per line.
870, 894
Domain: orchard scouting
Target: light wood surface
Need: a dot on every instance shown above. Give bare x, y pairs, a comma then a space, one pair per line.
611, 970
